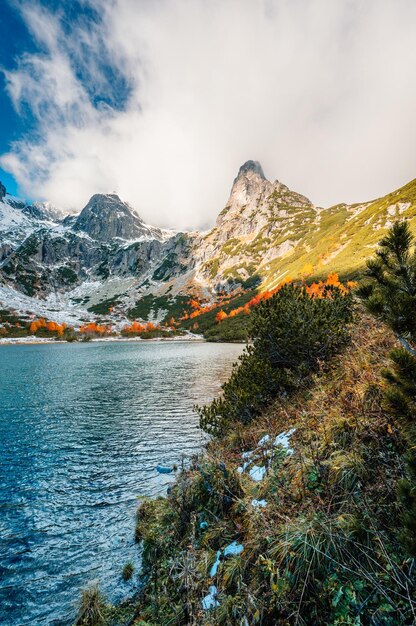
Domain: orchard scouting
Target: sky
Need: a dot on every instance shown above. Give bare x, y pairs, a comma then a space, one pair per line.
161, 101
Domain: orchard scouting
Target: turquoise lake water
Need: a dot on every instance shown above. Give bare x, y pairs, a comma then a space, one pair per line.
82, 428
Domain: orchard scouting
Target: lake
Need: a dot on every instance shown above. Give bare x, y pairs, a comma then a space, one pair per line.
82, 428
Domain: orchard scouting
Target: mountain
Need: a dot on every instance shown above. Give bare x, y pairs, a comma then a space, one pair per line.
106, 253
106, 218
258, 224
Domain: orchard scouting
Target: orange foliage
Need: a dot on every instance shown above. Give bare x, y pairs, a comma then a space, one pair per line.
236, 311
221, 315
139, 327
315, 290
94, 329
319, 290
198, 309
34, 327
50, 326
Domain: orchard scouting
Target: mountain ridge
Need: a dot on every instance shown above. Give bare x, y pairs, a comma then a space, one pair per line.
266, 232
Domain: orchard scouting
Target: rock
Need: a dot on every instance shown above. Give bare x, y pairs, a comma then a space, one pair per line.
2, 191
257, 209
253, 167
162, 469
106, 217
108, 239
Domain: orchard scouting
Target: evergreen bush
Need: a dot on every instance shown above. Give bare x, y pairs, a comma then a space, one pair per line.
390, 293
291, 333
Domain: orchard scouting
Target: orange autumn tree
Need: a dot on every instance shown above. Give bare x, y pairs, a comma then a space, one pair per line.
94, 329
320, 290
220, 316
136, 328
52, 327
197, 309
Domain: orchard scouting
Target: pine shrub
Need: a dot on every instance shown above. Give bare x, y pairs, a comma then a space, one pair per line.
291, 333
390, 289
390, 294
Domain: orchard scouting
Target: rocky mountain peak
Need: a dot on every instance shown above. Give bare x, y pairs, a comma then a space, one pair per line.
106, 204
251, 167
106, 217
2, 191
250, 187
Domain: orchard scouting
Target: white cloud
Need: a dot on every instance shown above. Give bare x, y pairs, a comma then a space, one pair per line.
323, 93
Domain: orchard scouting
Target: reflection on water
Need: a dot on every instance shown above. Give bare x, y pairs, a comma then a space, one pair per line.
82, 428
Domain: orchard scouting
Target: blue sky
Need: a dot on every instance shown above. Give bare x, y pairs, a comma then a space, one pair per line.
16, 40
14, 37
163, 100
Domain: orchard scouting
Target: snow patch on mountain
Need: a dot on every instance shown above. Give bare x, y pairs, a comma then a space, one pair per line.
55, 307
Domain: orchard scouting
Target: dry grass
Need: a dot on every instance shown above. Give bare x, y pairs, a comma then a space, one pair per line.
92, 608
325, 546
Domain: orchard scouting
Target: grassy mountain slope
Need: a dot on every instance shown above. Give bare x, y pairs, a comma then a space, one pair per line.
343, 237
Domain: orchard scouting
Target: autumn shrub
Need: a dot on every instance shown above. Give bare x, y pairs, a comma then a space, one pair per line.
291, 333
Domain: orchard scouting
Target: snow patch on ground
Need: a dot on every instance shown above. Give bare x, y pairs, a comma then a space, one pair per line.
55, 307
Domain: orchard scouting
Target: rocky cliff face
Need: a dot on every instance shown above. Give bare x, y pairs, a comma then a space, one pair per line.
106, 218
40, 254
259, 222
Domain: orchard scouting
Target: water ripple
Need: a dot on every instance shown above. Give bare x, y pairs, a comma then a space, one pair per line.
82, 428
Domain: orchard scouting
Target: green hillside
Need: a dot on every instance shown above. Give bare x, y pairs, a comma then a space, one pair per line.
343, 237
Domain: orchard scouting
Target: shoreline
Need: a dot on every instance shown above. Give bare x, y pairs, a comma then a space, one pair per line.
27, 341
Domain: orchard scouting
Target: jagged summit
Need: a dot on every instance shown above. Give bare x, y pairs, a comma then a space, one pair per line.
251, 167
106, 216
2, 191
249, 188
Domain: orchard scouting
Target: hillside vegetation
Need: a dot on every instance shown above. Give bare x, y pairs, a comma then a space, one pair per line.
323, 547
302, 508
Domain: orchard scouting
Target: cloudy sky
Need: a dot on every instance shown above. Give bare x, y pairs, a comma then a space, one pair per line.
162, 100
